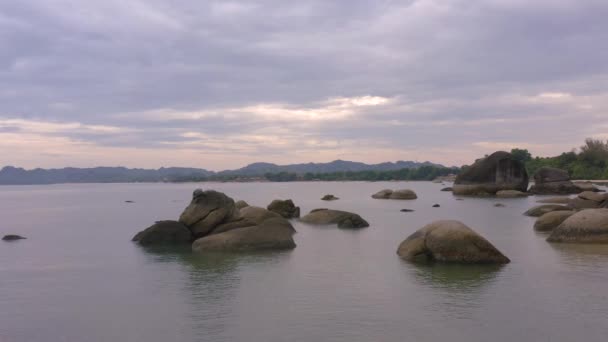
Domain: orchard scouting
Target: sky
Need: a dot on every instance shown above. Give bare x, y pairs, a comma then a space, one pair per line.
220, 84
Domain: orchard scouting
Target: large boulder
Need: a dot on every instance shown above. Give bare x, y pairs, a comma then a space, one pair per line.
403, 194
586, 226
593, 196
274, 233
498, 171
586, 186
510, 194
343, 219
551, 220
540, 210
285, 208
207, 210
257, 215
163, 233
449, 241
550, 180
581, 203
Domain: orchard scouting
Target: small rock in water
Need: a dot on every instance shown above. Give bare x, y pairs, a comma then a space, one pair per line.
460, 199
407, 210
12, 237
329, 198
499, 205
436, 206
129, 201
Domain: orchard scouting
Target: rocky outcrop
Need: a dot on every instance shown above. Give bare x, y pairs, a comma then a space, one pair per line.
164, 233
207, 210
496, 172
403, 194
12, 237
343, 219
285, 208
510, 194
550, 180
540, 210
449, 241
214, 223
329, 197
551, 220
586, 226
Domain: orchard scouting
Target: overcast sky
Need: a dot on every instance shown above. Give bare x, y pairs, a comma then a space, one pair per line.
219, 84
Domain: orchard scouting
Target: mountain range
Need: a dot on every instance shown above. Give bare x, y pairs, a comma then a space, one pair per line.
14, 175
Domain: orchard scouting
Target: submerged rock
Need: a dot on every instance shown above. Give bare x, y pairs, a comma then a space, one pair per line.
12, 237
499, 205
551, 220
449, 241
407, 210
540, 210
586, 226
164, 232
329, 198
403, 194
436, 206
499, 171
343, 219
285, 208
449, 188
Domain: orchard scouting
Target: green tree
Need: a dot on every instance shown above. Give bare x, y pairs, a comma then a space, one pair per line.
521, 154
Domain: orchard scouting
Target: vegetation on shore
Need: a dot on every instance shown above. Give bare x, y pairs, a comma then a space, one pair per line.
590, 161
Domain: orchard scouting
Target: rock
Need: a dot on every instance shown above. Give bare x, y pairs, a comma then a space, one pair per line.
449, 188
586, 226
241, 204
207, 210
329, 198
510, 194
550, 174
403, 194
551, 220
407, 210
164, 232
240, 223
436, 205
593, 196
382, 194
586, 186
12, 237
540, 210
579, 203
285, 208
343, 219
449, 241
499, 171
499, 205
274, 233
257, 215
129, 201
550, 180
558, 200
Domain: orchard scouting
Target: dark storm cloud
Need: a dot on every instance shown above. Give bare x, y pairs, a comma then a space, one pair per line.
455, 73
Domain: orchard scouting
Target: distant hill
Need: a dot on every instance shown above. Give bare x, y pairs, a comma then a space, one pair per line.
13, 175
259, 169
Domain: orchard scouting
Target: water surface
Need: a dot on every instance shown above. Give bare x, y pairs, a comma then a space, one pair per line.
79, 278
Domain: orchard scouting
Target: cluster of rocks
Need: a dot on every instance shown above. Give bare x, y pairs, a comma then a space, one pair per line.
214, 222
549, 180
403, 194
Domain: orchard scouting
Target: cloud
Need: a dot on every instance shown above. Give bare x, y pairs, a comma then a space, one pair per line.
299, 81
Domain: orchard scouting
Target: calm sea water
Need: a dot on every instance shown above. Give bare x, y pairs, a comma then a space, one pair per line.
79, 278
